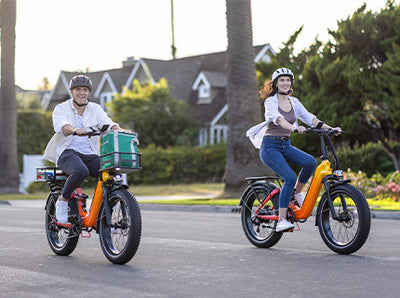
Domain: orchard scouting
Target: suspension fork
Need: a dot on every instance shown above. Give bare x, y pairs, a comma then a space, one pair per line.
330, 202
105, 203
107, 189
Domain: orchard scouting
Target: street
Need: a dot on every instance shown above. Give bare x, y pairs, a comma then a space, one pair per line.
195, 254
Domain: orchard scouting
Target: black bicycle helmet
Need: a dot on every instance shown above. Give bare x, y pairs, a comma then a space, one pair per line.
80, 81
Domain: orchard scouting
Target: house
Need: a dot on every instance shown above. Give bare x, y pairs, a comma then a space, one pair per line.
199, 80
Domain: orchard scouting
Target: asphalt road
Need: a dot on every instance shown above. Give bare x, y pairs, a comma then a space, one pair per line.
195, 254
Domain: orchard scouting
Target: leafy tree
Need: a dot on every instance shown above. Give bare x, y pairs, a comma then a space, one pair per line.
9, 178
154, 114
28, 101
44, 85
354, 81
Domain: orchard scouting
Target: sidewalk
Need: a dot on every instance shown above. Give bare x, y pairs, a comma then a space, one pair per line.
183, 208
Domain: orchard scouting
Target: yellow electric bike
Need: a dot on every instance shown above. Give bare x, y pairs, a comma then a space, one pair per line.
343, 216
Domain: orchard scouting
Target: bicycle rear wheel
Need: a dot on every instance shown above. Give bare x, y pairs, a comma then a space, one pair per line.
60, 240
120, 241
260, 232
349, 233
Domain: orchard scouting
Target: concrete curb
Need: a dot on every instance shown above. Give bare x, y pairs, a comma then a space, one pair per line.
236, 209
189, 208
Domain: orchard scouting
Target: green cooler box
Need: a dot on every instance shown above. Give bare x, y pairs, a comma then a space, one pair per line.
118, 150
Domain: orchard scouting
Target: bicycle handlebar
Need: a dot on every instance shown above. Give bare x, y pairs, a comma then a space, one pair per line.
88, 134
94, 132
326, 143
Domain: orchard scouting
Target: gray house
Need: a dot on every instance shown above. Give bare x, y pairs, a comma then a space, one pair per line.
199, 80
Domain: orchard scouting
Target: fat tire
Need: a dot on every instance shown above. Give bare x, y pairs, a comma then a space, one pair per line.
346, 236
120, 201
250, 223
59, 239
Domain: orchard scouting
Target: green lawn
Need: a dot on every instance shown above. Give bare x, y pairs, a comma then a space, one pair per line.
190, 190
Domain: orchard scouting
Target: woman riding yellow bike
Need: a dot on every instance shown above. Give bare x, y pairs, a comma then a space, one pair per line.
272, 136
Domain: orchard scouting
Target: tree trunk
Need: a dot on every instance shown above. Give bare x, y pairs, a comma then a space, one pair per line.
392, 155
242, 158
9, 178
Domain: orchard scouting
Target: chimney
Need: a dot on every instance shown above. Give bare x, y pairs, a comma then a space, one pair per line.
130, 61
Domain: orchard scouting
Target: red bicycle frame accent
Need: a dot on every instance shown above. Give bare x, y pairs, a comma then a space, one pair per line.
271, 217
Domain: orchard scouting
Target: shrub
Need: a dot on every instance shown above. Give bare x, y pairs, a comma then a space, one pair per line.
369, 158
390, 188
34, 130
180, 164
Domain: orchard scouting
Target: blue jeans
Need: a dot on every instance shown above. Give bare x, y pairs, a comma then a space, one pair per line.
277, 154
78, 167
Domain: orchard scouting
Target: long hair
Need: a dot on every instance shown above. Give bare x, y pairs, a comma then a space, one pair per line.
268, 89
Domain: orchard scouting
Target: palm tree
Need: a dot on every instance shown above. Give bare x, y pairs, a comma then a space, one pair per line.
9, 178
243, 105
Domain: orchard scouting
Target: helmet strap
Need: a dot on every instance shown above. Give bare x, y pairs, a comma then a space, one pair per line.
284, 93
81, 104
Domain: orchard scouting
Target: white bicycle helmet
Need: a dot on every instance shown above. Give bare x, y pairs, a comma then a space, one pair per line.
282, 72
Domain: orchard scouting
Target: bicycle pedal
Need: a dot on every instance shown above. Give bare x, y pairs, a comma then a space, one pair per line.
85, 235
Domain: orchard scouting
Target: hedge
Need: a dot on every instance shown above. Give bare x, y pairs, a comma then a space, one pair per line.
184, 164
34, 130
369, 158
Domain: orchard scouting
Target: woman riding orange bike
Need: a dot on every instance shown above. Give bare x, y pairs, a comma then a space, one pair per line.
272, 136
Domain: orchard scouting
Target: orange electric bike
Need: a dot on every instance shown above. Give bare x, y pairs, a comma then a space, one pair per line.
114, 213
343, 216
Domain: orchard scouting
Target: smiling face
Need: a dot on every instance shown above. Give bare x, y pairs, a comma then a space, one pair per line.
284, 83
80, 94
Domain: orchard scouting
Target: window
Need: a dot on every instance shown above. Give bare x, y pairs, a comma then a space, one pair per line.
104, 98
266, 58
204, 91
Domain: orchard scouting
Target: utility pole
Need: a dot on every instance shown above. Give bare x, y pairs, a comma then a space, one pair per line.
173, 48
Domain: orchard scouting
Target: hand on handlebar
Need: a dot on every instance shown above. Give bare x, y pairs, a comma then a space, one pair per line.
337, 131
300, 129
79, 132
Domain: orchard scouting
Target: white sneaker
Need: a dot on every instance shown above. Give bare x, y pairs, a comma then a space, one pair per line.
62, 210
299, 198
284, 225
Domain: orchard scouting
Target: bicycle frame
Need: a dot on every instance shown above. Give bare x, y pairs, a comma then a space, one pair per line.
322, 174
89, 218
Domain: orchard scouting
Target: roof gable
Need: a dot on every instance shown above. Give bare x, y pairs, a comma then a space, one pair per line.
105, 85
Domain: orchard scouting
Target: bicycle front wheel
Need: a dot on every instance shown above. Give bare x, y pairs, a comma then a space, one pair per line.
61, 240
260, 232
120, 240
349, 232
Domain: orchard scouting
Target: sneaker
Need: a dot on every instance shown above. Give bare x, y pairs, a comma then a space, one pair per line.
299, 198
62, 210
284, 225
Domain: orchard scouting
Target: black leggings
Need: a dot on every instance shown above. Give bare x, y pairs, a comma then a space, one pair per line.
78, 166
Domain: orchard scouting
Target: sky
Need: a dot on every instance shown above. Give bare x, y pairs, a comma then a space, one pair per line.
72, 35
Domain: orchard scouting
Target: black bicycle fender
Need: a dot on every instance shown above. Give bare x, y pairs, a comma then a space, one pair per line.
47, 201
255, 185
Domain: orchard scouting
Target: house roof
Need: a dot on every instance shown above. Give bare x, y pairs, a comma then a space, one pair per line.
180, 73
205, 113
